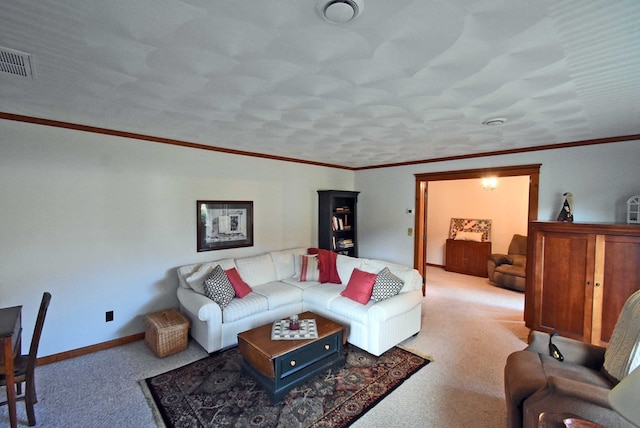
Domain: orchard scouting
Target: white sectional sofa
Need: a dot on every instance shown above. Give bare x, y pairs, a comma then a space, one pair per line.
277, 293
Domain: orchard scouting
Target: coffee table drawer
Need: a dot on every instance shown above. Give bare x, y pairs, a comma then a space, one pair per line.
298, 360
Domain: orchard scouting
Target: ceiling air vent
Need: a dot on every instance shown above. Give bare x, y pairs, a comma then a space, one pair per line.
15, 62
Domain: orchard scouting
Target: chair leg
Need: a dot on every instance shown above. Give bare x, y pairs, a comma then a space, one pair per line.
29, 400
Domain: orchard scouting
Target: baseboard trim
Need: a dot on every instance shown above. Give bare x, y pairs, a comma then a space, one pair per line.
89, 349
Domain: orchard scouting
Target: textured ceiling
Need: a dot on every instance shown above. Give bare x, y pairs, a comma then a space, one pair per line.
405, 81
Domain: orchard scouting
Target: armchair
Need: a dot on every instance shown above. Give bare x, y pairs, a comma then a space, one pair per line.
508, 270
535, 382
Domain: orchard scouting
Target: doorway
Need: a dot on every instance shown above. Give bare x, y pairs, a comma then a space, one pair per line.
422, 182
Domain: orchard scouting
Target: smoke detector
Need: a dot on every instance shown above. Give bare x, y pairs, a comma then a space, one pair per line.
15, 62
339, 11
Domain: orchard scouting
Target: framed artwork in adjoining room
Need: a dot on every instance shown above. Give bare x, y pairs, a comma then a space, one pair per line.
224, 224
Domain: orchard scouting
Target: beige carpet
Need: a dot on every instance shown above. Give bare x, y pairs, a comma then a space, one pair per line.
468, 329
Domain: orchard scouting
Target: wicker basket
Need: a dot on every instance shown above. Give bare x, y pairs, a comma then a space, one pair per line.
166, 332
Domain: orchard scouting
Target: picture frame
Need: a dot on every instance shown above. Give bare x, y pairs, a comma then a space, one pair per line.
224, 224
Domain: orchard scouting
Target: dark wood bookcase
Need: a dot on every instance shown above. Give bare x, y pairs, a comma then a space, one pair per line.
337, 221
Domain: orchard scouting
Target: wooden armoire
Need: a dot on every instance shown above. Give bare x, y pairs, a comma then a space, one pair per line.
579, 277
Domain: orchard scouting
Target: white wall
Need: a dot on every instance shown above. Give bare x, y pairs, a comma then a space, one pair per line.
506, 207
601, 177
102, 222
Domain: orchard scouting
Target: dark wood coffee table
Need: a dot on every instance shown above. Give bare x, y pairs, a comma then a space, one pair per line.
280, 365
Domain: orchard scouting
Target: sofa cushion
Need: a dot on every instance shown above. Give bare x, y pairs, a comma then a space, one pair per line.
256, 270
284, 262
386, 285
252, 303
577, 372
403, 272
309, 270
350, 309
345, 265
321, 295
300, 284
360, 286
278, 293
519, 260
218, 288
239, 286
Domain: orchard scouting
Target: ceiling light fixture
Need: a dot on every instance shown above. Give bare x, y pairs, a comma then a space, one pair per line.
489, 183
494, 121
339, 11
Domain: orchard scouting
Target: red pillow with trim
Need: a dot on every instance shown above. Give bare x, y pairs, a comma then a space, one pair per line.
327, 265
360, 286
239, 286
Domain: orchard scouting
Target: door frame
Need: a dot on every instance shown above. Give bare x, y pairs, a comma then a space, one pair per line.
422, 183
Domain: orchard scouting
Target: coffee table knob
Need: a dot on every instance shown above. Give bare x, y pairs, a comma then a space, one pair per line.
293, 363
327, 347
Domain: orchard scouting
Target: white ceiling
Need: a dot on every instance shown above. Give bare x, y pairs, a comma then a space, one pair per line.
405, 81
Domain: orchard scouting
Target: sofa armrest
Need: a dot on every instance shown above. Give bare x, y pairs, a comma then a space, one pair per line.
574, 351
501, 259
205, 308
567, 387
394, 306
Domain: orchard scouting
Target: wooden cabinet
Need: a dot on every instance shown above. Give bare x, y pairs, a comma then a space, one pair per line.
337, 221
579, 277
468, 257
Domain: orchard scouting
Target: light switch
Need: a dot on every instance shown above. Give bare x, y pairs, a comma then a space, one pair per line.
410, 231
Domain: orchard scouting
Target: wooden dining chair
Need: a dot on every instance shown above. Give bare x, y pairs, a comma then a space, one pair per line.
25, 365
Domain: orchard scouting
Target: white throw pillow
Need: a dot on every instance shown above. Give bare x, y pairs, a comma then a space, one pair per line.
469, 236
309, 270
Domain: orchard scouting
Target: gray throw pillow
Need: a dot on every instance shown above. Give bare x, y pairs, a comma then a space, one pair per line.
386, 285
218, 288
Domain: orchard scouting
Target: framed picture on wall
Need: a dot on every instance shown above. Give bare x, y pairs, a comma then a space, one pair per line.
224, 224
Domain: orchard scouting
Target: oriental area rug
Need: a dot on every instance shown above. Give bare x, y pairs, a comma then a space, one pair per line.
213, 392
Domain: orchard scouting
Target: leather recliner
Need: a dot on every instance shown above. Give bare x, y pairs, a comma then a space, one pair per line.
535, 382
508, 270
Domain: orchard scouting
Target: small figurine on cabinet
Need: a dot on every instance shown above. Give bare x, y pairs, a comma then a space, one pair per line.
566, 213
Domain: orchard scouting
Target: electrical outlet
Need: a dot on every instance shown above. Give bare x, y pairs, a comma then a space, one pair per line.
108, 316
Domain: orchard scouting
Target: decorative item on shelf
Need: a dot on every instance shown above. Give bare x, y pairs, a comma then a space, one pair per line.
566, 213
633, 210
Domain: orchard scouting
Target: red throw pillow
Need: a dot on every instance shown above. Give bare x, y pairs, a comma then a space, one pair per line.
327, 265
239, 286
360, 286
